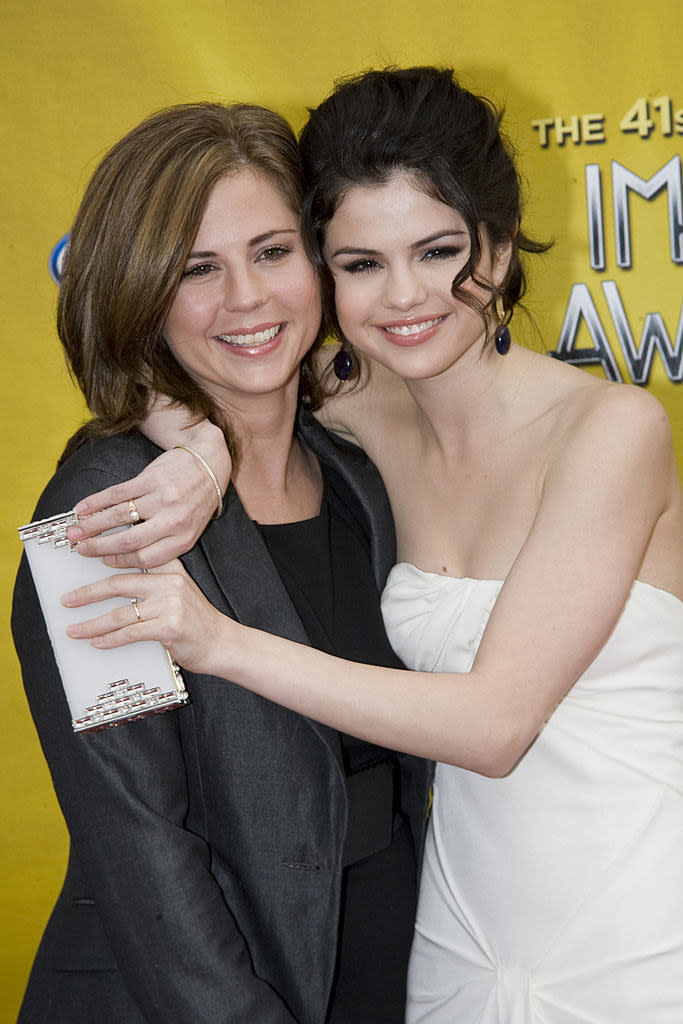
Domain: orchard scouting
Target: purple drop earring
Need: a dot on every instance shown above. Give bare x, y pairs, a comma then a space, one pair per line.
343, 364
502, 333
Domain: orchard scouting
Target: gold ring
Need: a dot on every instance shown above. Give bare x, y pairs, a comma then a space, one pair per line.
137, 609
133, 513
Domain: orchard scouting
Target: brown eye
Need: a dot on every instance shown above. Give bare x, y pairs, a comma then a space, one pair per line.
199, 270
274, 253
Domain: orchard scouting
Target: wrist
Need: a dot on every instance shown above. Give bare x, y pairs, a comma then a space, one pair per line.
208, 440
211, 476
228, 652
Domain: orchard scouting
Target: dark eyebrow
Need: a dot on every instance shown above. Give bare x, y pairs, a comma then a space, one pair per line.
258, 240
437, 236
269, 234
353, 251
349, 250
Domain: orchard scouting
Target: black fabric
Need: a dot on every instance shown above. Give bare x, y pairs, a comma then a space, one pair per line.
325, 565
379, 898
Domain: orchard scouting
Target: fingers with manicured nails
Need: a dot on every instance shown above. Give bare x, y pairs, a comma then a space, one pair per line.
173, 611
98, 522
95, 546
131, 585
117, 494
175, 498
120, 618
122, 542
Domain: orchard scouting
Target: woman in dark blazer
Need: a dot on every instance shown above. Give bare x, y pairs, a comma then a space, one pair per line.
230, 861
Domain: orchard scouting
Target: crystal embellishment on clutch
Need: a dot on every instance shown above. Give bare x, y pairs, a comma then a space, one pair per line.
46, 530
124, 701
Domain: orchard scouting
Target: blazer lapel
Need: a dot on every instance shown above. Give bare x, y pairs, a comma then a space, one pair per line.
362, 477
244, 581
245, 573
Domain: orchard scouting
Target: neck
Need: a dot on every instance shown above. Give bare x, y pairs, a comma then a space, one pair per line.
276, 478
472, 398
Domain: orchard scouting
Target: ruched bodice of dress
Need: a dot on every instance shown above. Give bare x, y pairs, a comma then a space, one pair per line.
554, 894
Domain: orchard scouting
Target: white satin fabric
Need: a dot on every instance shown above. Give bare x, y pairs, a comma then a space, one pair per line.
554, 895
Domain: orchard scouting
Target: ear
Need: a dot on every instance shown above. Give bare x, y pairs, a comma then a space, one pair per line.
500, 261
499, 255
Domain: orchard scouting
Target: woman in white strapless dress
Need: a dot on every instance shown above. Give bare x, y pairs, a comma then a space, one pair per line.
554, 894
538, 596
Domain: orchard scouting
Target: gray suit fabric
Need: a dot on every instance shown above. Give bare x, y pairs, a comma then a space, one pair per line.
205, 869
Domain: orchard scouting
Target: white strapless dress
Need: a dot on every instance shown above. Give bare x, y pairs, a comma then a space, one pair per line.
554, 895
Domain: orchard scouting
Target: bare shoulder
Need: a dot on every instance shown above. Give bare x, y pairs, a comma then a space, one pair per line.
616, 469
582, 413
612, 445
619, 418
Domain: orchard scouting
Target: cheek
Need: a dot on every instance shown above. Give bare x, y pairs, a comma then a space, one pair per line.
175, 328
302, 296
350, 303
187, 312
189, 321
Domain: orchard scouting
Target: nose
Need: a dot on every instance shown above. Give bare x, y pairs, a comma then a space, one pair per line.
404, 287
244, 290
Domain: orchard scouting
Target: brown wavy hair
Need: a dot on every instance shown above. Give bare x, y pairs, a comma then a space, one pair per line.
129, 245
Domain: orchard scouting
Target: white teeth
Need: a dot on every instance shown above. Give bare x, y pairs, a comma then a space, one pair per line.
250, 340
413, 328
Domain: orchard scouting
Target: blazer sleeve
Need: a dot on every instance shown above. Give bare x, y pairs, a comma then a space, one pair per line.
123, 793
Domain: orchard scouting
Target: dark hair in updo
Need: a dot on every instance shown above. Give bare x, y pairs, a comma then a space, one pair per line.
417, 121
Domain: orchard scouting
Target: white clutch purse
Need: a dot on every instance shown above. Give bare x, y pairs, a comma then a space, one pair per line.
102, 688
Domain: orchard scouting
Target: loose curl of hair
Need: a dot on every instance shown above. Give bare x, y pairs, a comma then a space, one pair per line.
417, 121
129, 245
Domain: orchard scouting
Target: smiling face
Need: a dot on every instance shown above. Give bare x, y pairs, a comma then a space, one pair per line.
394, 252
248, 306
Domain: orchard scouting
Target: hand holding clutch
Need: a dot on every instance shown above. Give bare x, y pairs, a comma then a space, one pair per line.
102, 688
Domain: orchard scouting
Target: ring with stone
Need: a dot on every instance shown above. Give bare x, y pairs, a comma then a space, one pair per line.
133, 513
136, 608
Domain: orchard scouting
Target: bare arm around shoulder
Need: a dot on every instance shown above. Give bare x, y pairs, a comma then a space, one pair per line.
175, 496
610, 511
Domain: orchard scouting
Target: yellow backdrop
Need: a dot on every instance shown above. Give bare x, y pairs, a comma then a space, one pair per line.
594, 100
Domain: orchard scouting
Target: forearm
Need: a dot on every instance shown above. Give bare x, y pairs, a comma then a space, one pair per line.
481, 722
450, 717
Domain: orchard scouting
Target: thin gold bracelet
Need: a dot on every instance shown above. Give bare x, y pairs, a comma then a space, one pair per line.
212, 475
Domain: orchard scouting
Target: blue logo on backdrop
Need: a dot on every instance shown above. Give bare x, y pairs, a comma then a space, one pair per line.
57, 256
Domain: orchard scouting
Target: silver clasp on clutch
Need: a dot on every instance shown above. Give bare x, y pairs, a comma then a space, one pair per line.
52, 529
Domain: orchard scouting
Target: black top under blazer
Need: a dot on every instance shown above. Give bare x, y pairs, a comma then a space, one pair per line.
205, 869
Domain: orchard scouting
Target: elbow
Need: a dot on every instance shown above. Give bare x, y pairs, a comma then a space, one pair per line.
499, 764
495, 764
501, 750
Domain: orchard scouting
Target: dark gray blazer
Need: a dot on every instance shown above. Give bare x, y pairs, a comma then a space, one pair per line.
205, 868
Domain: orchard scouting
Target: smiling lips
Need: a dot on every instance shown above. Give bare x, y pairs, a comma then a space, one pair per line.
259, 340
412, 332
